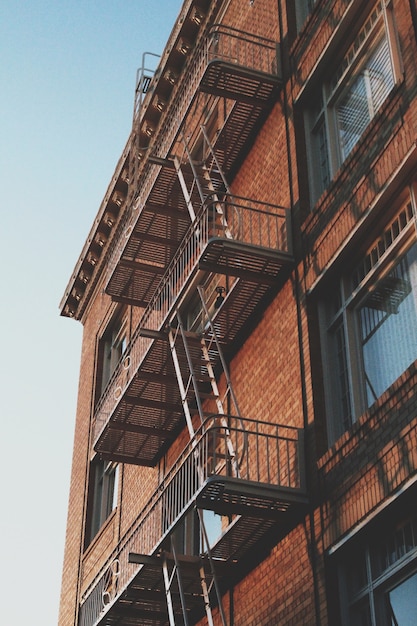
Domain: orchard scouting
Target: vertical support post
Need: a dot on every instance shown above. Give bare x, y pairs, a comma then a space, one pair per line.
213, 573
180, 586
168, 582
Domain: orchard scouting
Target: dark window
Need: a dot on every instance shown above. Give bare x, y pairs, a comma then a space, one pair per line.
102, 495
112, 346
303, 9
378, 578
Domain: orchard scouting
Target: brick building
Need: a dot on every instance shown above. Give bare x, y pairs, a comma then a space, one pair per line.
246, 436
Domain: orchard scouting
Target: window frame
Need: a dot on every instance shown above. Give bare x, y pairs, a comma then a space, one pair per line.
303, 9
359, 561
102, 497
345, 386
323, 136
112, 345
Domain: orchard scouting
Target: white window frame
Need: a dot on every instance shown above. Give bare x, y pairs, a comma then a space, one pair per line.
344, 371
323, 132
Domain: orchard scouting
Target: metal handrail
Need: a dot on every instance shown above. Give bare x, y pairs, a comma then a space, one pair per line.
144, 77
244, 220
244, 49
271, 455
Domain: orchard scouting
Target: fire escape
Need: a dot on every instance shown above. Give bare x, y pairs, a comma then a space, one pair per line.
198, 261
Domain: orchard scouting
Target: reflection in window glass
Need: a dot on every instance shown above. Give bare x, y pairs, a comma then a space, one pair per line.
389, 327
351, 96
364, 97
102, 495
403, 603
371, 320
379, 577
213, 526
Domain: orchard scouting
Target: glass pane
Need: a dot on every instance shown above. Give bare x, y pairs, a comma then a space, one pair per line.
365, 96
323, 157
356, 574
353, 115
403, 603
213, 526
389, 327
380, 74
320, 148
392, 548
304, 8
109, 501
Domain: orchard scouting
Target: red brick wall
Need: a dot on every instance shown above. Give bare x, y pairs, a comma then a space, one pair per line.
271, 372
76, 505
369, 464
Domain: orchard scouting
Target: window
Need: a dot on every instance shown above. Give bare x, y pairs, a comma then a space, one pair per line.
102, 495
379, 579
111, 349
343, 107
303, 10
185, 536
370, 324
190, 539
213, 524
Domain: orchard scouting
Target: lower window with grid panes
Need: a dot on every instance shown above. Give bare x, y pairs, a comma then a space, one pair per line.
378, 577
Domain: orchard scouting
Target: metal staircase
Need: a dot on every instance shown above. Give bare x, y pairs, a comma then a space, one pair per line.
197, 358
198, 363
199, 261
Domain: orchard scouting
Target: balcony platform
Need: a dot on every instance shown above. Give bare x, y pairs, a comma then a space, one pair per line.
143, 600
249, 472
250, 262
147, 415
229, 80
232, 496
148, 239
241, 67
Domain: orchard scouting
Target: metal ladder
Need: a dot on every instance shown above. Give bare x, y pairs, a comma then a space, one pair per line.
193, 355
144, 76
201, 353
175, 574
196, 356
208, 181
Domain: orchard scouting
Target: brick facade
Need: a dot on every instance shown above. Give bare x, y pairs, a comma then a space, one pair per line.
357, 485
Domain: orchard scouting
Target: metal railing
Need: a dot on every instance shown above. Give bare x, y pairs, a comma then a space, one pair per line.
267, 454
223, 43
252, 52
232, 218
255, 53
144, 77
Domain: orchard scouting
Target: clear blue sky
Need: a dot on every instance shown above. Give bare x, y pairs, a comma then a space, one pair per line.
67, 70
